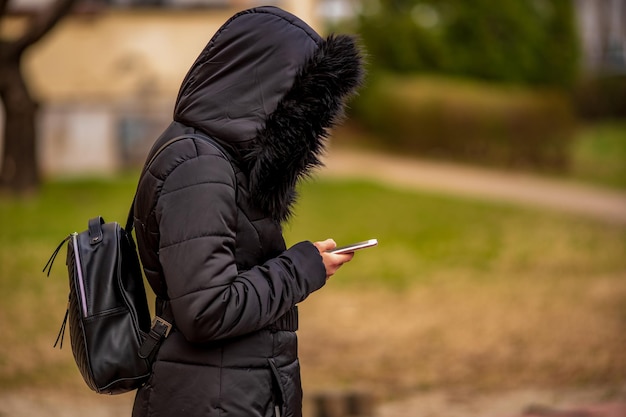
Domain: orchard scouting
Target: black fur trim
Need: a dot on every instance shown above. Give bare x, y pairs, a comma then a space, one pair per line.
293, 140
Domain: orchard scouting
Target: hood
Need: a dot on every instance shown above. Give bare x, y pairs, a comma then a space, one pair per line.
269, 87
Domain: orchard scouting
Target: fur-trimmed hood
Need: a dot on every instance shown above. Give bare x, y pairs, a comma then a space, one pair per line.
269, 87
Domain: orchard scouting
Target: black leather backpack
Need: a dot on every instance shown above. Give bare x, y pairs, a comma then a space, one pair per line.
113, 340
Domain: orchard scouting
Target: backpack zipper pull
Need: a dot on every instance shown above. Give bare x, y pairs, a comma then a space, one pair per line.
54, 255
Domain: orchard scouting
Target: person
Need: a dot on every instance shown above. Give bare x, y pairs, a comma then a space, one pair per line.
263, 94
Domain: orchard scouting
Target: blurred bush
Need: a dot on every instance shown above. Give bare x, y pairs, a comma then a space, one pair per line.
601, 97
468, 120
523, 58
528, 42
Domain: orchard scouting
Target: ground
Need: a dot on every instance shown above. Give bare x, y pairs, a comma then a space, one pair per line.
603, 204
517, 403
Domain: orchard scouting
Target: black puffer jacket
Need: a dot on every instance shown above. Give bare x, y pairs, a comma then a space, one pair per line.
266, 88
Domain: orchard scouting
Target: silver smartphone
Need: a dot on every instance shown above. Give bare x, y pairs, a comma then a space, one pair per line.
354, 246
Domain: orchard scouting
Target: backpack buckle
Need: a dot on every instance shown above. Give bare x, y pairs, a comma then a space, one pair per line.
159, 321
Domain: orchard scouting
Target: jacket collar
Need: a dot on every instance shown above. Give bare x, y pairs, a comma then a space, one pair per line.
292, 141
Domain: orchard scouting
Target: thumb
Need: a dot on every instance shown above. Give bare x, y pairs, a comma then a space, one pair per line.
325, 245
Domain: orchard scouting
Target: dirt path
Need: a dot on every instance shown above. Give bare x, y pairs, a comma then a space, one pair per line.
525, 189
57, 403
517, 403
513, 403
526, 403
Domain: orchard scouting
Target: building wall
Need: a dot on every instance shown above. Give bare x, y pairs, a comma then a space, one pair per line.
123, 53
602, 28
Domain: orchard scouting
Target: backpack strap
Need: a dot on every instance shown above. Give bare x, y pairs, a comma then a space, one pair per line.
164, 318
129, 220
161, 327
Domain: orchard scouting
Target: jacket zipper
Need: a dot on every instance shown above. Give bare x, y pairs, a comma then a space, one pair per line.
79, 269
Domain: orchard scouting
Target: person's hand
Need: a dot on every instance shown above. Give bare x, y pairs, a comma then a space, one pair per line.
332, 262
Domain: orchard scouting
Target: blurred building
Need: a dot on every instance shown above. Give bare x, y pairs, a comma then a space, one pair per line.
602, 28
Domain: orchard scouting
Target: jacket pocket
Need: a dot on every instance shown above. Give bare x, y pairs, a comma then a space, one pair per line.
287, 388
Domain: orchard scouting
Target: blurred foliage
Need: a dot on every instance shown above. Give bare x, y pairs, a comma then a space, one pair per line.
478, 122
529, 42
601, 97
599, 154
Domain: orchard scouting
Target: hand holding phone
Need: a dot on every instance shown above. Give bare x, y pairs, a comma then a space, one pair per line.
354, 246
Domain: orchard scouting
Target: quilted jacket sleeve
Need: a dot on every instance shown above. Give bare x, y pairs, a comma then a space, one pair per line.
197, 216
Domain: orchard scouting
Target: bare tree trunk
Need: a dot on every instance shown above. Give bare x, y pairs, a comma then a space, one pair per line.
19, 173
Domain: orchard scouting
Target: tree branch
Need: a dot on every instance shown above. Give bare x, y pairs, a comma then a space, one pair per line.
42, 22
3, 9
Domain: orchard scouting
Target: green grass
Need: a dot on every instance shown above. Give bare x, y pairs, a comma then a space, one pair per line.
599, 154
460, 294
422, 235
463, 260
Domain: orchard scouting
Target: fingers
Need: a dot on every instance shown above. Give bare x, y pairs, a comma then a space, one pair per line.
333, 262
325, 245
